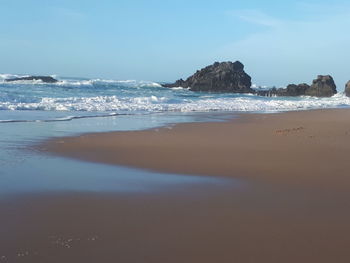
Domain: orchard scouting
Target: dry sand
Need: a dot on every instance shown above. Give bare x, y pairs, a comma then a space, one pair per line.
293, 205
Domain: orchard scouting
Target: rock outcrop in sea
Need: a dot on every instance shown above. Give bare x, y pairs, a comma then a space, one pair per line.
322, 86
219, 77
231, 77
347, 89
292, 90
45, 79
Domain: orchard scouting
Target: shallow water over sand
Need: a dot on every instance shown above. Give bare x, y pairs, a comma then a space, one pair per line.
23, 169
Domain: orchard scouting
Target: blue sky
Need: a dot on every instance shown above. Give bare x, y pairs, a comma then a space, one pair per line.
279, 42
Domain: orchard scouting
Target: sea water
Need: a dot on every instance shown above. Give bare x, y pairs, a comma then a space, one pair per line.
32, 111
72, 98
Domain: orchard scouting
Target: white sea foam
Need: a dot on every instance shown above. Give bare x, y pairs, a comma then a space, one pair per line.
158, 103
61, 119
3, 77
259, 87
179, 88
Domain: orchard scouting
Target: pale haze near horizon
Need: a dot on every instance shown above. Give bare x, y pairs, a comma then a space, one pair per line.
278, 42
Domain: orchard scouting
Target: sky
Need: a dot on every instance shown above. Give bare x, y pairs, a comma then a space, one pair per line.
279, 42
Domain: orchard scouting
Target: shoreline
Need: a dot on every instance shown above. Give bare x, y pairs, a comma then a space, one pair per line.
287, 143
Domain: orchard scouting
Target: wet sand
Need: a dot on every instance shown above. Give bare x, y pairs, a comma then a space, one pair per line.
292, 205
307, 148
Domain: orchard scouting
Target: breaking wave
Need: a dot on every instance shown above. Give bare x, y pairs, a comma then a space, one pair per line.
163, 104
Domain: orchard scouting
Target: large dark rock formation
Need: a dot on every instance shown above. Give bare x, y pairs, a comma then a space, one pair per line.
219, 77
347, 89
230, 77
46, 79
323, 86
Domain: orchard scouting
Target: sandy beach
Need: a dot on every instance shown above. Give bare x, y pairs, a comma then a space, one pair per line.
291, 204
308, 148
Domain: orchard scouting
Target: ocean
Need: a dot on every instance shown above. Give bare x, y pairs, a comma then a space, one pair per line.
32, 111
77, 98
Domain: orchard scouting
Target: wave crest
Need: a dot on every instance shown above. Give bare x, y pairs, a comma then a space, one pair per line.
160, 103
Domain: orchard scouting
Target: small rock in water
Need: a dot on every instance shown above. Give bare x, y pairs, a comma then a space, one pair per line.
347, 89
45, 79
323, 86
